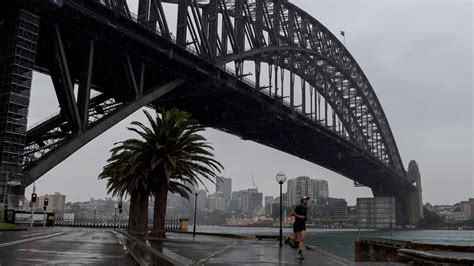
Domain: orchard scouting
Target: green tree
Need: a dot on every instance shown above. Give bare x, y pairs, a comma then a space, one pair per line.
431, 220
170, 156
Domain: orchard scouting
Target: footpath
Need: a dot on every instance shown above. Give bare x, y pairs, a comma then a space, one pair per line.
182, 249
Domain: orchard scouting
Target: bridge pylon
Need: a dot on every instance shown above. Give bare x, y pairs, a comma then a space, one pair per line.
18, 41
408, 202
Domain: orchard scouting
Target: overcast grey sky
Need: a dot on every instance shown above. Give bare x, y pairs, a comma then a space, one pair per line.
418, 57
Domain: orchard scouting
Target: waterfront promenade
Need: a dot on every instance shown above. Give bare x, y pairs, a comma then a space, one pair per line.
183, 249
99, 246
112, 247
213, 250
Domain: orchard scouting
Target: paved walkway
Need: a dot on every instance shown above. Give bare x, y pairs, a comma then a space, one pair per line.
63, 246
210, 250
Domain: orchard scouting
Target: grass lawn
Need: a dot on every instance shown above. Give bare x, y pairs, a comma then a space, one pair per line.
6, 225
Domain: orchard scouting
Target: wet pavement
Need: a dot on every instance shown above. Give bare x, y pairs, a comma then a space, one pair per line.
63, 246
452, 254
210, 250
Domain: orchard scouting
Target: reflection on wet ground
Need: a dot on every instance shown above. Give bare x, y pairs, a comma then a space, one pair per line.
210, 250
63, 246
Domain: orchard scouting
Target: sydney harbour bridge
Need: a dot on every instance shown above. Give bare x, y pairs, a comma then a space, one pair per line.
263, 70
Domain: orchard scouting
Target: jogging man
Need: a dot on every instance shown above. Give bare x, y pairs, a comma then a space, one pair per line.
299, 226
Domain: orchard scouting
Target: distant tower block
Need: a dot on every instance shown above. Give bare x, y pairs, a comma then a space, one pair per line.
416, 212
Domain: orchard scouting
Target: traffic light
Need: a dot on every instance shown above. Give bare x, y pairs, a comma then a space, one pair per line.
45, 202
34, 197
120, 206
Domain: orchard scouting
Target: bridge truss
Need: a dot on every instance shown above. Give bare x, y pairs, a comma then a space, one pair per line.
300, 72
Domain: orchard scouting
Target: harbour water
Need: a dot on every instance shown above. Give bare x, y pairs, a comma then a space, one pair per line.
341, 241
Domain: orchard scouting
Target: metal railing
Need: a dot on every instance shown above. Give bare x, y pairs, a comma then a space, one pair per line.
170, 224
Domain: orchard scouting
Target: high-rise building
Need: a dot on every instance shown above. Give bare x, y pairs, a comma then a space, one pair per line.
256, 199
298, 188
468, 207
319, 188
56, 202
224, 185
216, 203
291, 191
246, 200
325, 207
304, 186
234, 205
268, 200
59, 201
201, 199
284, 200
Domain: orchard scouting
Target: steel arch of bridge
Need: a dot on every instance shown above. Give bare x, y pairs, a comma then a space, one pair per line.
220, 31
281, 34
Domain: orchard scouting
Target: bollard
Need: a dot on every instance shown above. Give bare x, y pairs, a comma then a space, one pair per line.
183, 224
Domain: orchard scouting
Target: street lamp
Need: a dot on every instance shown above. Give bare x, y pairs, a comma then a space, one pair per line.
281, 178
115, 216
195, 210
95, 210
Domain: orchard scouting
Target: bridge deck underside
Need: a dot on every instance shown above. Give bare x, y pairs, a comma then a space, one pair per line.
253, 117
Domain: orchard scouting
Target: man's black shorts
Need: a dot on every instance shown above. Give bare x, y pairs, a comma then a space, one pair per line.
298, 227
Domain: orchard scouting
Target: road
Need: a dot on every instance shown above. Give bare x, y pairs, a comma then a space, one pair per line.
63, 246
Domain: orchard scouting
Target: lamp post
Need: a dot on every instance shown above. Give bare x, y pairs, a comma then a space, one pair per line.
115, 217
195, 210
281, 178
95, 210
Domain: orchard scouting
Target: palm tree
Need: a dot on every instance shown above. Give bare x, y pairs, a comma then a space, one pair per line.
173, 155
122, 180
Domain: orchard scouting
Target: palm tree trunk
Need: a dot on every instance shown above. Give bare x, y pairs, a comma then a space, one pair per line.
132, 216
142, 213
159, 214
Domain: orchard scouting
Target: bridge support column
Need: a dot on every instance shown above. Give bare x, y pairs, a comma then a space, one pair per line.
403, 206
402, 209
18, 40
416, 199
408, 210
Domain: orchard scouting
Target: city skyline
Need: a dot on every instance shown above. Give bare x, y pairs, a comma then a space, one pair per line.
418, 132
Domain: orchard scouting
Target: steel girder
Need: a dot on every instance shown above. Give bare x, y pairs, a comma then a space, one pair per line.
324, 85
289, 28
115, 96
297, 43
68, 144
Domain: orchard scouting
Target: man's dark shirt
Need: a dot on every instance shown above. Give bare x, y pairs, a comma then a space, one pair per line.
301, 210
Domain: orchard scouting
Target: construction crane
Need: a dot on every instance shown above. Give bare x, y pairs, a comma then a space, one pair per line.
253, 180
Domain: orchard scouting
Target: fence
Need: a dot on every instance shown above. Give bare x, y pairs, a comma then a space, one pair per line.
175, 224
